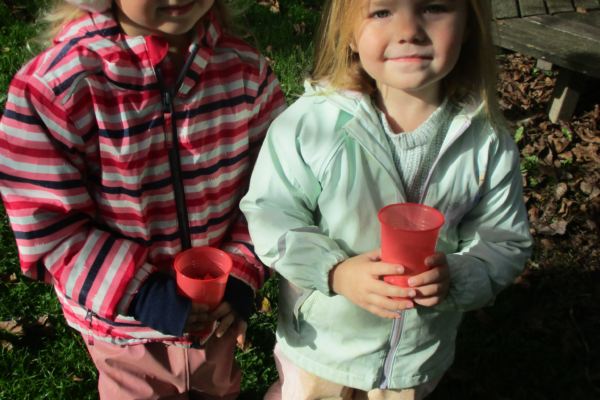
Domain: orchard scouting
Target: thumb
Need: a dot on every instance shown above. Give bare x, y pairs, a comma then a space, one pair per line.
374, 255
241, 331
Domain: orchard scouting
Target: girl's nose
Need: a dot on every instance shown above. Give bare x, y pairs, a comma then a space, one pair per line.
409, 29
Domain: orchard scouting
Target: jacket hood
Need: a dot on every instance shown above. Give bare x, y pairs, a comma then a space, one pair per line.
100, 33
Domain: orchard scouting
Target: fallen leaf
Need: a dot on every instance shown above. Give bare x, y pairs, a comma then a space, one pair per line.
520, 281
6, 345
244, 347
561, 190
547, 243
559, 227
76, 379
14, 327
582, 10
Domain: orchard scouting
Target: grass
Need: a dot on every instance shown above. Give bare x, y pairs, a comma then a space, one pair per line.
539, 341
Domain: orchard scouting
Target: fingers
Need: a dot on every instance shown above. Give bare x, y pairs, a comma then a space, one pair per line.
198, 308
381, 268
240, 332
436, 259
223, 309
436, 274
225, 323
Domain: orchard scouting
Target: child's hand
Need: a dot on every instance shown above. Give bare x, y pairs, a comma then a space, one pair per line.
197, 317
432, 286
229, 317
357, 279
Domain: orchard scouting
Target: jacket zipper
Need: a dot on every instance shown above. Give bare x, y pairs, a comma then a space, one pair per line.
394, 343
172, 145
399, 323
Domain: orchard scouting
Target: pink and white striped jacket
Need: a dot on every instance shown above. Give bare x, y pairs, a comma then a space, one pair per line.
85, 170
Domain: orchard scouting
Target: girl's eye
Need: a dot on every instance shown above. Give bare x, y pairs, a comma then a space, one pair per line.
434, 9
380, 14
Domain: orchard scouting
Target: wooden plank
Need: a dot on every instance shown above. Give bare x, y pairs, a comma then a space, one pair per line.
590, 19
562, 26
543, 42
588, 4
532, 7
559, 6
505, 9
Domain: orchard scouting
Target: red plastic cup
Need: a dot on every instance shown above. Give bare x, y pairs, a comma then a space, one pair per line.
202, 274
409, 233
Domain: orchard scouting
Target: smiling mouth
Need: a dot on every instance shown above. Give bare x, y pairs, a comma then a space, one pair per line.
411, 58
177, 10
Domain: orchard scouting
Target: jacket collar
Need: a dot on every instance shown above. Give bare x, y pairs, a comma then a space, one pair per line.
365, 128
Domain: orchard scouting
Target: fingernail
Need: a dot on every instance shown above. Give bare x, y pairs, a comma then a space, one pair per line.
219, 334
398, 316
400, 270
412, 293
412, 281
417, 301
409, 305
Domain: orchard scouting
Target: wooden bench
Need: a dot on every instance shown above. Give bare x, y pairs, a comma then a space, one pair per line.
561, 32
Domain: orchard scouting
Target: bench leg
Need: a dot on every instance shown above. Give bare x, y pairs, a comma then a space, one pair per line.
565, 95
543, 65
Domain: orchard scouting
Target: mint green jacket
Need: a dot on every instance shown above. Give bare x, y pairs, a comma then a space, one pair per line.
324, 171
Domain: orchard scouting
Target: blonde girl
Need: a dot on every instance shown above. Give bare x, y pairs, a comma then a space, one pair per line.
128, 141
400, 108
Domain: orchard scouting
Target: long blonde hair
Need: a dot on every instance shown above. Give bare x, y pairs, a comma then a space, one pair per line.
62, 13
473, 76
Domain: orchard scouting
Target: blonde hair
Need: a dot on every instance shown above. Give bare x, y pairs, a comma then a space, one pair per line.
473, 76
62, 13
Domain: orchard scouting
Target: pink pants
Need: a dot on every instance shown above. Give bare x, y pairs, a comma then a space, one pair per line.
157, 371
297, 384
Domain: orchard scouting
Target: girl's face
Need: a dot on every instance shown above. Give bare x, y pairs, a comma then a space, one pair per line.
160, 17
410, 45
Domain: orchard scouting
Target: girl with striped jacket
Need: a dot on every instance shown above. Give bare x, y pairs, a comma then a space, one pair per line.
128, 141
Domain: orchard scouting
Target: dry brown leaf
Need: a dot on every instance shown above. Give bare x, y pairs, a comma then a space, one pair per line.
559, 227
76, 379
582, 10
520, 281
547, 243
6, 345
14, 327
586, 187
561, 190
244, 347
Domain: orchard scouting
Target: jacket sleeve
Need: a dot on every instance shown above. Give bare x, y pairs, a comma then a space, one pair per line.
43, 186
249, 274
280, 208
494, 237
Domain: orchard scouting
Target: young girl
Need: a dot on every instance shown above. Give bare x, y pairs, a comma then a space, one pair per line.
400, 108
130, 140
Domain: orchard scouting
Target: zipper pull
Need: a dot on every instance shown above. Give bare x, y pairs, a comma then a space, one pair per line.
89, 316
168, 113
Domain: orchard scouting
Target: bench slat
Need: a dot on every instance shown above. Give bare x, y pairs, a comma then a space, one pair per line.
505, 9
591, 19
565, 49
532, 7
570, 27
588, 4
559, 6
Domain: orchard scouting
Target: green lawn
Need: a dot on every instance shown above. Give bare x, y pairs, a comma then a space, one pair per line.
539, 341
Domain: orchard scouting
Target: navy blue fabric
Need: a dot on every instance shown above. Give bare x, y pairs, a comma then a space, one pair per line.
158, 306
240, 296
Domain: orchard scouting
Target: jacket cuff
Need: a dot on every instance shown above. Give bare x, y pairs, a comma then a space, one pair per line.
240, 296
134, 285
321, 273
